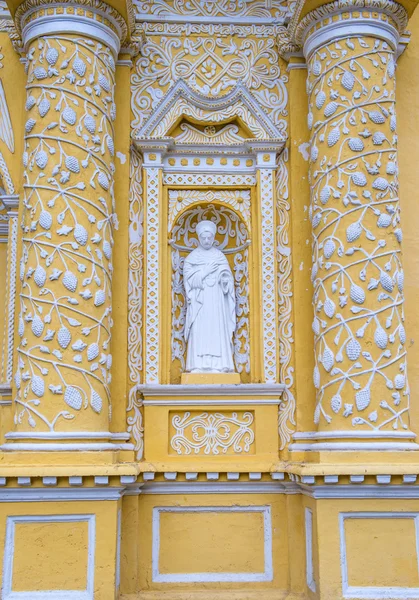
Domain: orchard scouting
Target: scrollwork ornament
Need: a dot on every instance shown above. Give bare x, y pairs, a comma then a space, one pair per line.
212, 433
212, 67
135, 302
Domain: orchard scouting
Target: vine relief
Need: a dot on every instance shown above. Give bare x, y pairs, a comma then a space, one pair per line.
64, 358
360, 371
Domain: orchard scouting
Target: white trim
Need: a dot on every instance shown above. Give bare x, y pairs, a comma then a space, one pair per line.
56, 447
266, 575
211, 402
369, 592
57, 494
223, 487
354, 447
199, 19
309, 549
118, 551
327, 435
88, 594
258, 390
359, 491
67, 435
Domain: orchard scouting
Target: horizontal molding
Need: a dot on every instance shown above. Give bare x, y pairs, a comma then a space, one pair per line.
48, 494
354, 447
224, 487
343, 435
67, 435
76, 491
356, 491
212, 402
63, 447
243, 389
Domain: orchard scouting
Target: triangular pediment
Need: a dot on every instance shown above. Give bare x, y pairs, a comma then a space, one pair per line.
182, 102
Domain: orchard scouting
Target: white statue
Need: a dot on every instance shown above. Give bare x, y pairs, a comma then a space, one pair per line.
211, 306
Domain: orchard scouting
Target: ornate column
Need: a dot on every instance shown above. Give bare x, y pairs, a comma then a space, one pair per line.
360, 373
64, 354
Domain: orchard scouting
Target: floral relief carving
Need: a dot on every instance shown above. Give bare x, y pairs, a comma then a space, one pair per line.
65, 321
211, 66
258, 9
360, 371
135, 302
212, 433
286, 417
238, 200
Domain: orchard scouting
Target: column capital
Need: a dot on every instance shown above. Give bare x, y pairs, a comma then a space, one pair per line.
314, 25
93, 19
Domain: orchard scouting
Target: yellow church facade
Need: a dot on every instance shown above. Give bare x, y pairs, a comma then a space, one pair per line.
125, 472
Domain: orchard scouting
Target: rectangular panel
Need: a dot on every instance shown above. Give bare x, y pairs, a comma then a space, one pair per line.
211, 432
379, 555
212, 544
309, 550
60, 564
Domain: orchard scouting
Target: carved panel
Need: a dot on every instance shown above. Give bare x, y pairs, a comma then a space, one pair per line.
212, 433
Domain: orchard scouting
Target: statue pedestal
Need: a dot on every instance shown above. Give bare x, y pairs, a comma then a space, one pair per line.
210, 378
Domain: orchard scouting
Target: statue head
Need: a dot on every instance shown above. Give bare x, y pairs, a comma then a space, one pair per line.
206, 231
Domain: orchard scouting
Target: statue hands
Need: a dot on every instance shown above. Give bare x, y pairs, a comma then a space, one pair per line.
225, 281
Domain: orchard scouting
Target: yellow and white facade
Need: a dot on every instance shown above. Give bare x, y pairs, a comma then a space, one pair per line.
123, 123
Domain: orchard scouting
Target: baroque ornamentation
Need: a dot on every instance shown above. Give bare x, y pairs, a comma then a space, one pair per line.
65, 321
251, 9
212, 433
9, 320
375, 9
212, 29
286, 417
269, 296
213, 179
135, 302
92, 9
212, 67
152, 320
191, 135
238, 200
360, 371
235, 241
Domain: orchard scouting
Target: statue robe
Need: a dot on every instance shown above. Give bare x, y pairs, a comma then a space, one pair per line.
211, 311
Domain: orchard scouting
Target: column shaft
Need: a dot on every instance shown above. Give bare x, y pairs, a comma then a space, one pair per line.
360, 372
64, 359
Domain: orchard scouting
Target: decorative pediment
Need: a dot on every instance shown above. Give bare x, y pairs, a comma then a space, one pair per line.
182, 102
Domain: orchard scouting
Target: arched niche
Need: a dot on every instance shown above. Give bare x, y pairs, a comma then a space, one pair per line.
232, 238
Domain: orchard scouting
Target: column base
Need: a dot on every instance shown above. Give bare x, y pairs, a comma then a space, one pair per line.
82, 441
351, 441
